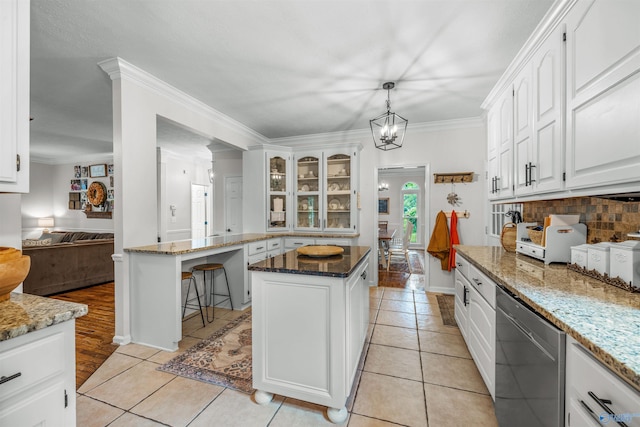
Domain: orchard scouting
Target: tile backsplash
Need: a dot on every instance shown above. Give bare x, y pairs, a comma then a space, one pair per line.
606, 219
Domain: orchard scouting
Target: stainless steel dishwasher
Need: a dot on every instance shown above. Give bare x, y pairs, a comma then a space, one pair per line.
530, 365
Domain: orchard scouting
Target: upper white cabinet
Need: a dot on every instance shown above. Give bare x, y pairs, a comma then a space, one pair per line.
501, 143
305, 190
603, 93
14, 96
575, 98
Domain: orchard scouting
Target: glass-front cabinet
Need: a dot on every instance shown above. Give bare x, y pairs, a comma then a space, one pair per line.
309, 207
278, 192
339, 192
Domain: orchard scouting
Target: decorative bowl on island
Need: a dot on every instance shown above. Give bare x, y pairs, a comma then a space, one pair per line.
14, 267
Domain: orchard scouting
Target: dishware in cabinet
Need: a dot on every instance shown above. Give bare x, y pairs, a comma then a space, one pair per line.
278, 193
340, 191
307, 190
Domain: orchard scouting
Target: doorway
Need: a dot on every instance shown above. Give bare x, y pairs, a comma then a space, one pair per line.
233, 204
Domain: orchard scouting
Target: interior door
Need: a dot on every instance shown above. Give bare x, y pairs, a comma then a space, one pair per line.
233, 204
198, 211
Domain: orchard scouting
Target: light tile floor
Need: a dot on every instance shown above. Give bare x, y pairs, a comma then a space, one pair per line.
416, 372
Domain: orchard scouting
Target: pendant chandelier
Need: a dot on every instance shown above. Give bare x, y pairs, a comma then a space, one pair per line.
389, 128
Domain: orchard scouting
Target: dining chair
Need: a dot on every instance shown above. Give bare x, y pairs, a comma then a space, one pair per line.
402, 250
382, 225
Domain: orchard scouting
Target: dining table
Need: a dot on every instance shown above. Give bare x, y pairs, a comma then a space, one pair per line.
384, 237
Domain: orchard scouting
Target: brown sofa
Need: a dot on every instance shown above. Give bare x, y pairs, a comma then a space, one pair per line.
73, 261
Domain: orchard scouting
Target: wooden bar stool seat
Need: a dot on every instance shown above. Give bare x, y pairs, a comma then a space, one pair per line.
212, 268
188, 303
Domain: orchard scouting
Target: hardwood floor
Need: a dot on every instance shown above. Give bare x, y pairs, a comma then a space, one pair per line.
95, 331
398, 279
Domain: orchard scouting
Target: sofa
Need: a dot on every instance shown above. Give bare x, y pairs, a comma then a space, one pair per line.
65, 261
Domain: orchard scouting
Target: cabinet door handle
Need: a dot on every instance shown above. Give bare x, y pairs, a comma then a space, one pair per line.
465, 299
497, 188
527, 171
531, 180
4, 379
603, 404
364, 275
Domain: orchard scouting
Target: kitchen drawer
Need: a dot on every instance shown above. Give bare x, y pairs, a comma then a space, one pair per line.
481, 337
585, 374
334, 242
296, 242
485, 286
274, 244
531, 250
35, 361
273, 253
257, 247
462, 265
257, 258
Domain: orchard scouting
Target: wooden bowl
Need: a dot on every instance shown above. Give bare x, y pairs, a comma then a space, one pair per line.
12, 273
7, 253
320, 251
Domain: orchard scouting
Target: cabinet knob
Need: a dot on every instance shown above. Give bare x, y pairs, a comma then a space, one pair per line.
364, 275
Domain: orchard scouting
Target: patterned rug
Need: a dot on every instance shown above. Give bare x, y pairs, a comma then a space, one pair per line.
446, 303
223, 359
400, 266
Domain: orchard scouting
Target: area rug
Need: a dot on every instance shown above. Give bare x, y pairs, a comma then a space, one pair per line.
446, 303
399, 266
223, 359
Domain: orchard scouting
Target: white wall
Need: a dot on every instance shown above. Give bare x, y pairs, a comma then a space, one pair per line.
49, 197
178, 172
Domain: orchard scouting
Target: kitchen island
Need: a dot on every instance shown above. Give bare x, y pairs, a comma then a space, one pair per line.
601, 317
310, 320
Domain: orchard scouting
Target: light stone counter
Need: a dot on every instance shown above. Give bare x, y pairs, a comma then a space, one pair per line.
24, 313
603, 318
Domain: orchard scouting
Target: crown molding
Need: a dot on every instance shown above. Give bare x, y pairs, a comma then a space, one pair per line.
117, 68
547, 25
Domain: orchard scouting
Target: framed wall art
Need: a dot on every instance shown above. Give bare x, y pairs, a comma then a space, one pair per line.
383, 205
97, 171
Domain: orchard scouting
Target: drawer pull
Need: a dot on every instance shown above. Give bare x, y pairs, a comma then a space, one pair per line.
259, 248
364, 275
478, 282
603, 404
459, 264
591, 413
4, 379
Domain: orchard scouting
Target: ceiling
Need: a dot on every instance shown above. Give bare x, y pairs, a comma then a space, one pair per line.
281, 67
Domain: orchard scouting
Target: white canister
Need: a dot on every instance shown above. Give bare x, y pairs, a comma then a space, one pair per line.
625, 262
598, 257
579, 255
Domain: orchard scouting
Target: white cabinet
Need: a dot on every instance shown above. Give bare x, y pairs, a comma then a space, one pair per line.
595, 396
475, 313
324, 321
278, 192
14, 95
501, 138
522, 130
603, 93
309, 207
256, 252
340, 190
38, 370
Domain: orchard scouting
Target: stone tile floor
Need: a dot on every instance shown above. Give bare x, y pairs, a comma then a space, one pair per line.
417, 372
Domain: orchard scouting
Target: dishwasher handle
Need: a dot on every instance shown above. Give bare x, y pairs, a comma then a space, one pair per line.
528, 334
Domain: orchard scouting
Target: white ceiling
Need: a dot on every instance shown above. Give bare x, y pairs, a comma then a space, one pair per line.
281, 67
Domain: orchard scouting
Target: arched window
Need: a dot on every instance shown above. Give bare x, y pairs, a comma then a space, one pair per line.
411, 209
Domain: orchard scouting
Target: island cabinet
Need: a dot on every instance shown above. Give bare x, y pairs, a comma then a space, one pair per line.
14, 99
310, 320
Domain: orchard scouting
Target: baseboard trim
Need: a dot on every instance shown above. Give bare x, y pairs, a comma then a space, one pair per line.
122, 340
441, 290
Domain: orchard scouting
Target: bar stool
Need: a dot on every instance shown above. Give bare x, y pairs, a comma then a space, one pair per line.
187, 275
212, 267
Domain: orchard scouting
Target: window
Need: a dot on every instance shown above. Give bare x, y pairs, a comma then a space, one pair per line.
497, 218
411, 209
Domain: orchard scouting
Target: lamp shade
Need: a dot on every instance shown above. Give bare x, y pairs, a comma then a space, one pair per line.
45, 222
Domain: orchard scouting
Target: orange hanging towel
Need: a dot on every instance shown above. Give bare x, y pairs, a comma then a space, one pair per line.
454, 239
440, 243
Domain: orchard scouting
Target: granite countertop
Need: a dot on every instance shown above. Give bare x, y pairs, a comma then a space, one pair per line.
603, 318
195, 245
333, 266
24, 313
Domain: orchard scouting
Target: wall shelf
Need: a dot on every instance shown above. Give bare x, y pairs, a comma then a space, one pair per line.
102, 215
453, 177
